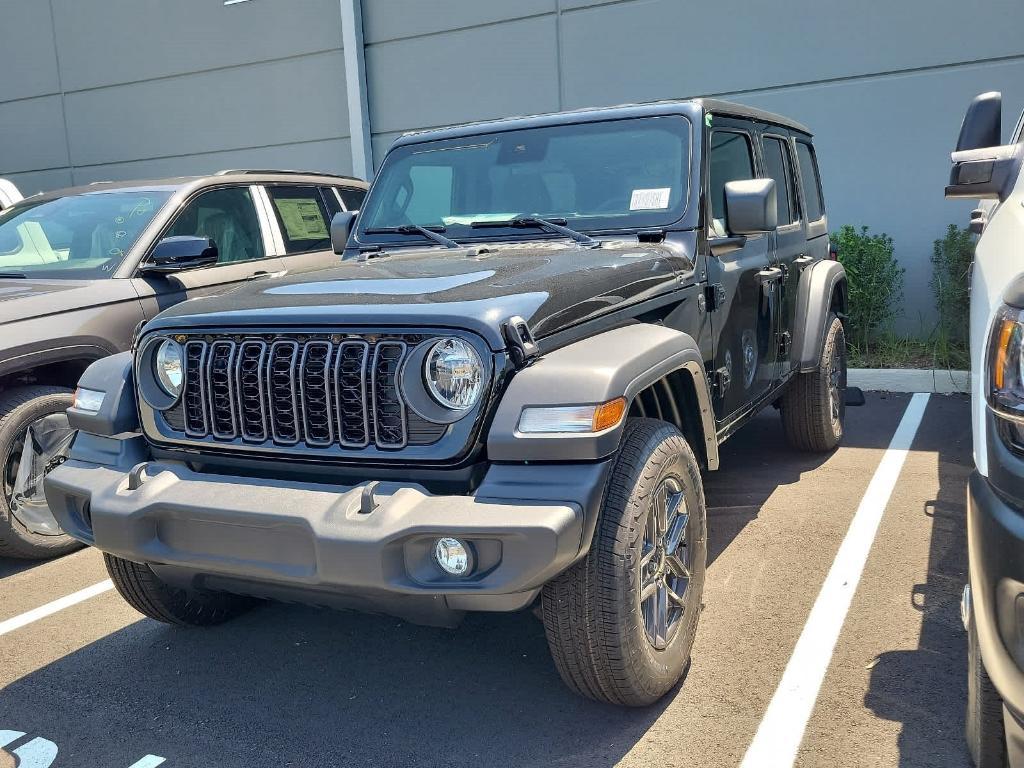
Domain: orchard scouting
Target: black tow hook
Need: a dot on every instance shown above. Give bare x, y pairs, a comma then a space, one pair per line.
367, 500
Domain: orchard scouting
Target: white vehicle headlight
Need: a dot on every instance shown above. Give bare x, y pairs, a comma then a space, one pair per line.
168, 367
454, 374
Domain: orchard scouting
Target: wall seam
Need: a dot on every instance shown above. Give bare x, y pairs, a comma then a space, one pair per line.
558, 54
63, 96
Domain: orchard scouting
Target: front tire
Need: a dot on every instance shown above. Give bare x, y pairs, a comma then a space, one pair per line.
621, 623
983, 727
813, 405
27, 528
144, 591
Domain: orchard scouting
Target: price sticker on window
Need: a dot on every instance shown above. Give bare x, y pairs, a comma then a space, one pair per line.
649, 199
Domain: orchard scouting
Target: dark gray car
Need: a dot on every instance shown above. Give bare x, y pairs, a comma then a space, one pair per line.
81, 268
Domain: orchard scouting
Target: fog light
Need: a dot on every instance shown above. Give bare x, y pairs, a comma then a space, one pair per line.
89, 400
453, 556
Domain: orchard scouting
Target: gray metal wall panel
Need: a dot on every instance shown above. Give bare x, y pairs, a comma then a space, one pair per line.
30, 67
470, 74
390, 19
103, 42
263, 104
40, 181
32, 135
639, 51
333, 156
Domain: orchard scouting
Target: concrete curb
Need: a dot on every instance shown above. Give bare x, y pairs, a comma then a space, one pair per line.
909, 380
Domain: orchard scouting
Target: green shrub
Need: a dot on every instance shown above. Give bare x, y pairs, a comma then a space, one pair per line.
875, 283
951, 268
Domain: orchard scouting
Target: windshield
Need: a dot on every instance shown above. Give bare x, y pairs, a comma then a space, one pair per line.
608, 175
78, 236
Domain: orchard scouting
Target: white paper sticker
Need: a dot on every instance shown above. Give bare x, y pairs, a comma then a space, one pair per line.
649, 199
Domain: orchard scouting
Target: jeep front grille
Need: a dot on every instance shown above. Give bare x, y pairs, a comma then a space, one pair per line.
290, 390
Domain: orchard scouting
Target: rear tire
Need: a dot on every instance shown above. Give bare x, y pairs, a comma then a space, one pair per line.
607, 641
813, 405
983, 729
20, 407
144, 591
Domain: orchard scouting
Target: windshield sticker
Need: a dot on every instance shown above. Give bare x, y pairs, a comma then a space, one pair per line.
302, 219
650, 199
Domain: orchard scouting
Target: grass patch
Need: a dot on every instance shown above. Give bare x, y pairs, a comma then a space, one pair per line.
891, 351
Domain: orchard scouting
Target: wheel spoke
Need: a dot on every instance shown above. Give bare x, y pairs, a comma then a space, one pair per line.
661, 634
647, 556
677, 599
676, 532
648, 589
677, 567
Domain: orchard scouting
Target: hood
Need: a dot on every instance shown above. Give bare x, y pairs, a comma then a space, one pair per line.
552, 285
25, 299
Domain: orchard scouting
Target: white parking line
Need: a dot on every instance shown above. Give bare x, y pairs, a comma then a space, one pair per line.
781, 730
49, 609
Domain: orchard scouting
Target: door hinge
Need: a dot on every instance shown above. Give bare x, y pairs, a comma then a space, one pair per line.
719, 381
714, 296
785, 343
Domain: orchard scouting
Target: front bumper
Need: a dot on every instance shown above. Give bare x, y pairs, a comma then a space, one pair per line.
995, 541
319, 543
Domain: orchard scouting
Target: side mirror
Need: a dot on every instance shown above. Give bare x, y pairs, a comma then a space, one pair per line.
982, 123
750, 206
180, 252
341, 228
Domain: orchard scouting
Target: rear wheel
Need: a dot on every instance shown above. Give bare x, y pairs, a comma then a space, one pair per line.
814, 404
144, 591
984, 730
621, 622
34, 438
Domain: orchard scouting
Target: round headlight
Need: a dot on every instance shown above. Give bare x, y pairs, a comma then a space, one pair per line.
454, 374
168, 365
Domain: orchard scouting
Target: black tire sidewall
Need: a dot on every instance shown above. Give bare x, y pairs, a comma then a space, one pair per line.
49, 400
658, 670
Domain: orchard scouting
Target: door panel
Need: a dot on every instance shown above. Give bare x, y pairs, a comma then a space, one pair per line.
790, 240
745, 320
228, 216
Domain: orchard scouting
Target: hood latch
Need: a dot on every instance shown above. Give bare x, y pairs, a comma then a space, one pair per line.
521, 343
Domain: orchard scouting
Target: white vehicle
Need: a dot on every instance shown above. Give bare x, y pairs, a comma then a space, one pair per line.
9, 194
993, 602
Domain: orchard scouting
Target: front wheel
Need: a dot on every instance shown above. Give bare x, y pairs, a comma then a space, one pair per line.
622, 621
34, 438
814, 404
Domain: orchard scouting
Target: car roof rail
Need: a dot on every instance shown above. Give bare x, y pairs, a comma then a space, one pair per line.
283, 172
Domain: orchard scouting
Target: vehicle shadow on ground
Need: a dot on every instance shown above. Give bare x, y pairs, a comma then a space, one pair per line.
925, 689
757, 460
9, 566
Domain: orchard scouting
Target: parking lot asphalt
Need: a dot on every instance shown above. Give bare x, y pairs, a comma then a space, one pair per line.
290, 685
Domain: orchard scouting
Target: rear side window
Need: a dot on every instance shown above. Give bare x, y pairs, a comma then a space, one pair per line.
731, 160
777, 167
303, 218
331, 201
811, 183
352, 197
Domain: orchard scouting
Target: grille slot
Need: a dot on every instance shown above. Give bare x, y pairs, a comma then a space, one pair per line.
350, 381
249, 385
314, 391
194, 396
314, 380
221, 396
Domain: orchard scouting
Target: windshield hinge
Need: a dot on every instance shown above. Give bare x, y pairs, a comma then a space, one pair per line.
521, 344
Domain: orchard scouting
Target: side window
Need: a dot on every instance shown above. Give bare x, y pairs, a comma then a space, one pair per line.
777, 167
730, 160
227, 217
303, 218
352, 197
810, 181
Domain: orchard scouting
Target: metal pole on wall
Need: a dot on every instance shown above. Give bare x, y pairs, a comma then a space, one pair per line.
355, 88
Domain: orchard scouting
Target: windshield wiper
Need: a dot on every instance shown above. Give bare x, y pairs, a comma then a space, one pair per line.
552, 225
430, 233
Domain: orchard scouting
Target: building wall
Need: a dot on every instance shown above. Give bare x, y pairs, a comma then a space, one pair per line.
114, 89
129, 88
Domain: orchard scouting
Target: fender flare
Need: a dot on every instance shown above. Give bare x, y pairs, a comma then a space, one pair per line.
26, 358
618, 363
818, 284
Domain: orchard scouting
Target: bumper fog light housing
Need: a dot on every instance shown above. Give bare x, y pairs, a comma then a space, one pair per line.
453, 556
88, 400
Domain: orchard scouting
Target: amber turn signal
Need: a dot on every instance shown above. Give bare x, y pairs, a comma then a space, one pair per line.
607, 415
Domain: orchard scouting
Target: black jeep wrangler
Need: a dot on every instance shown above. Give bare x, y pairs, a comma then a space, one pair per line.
539, 334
